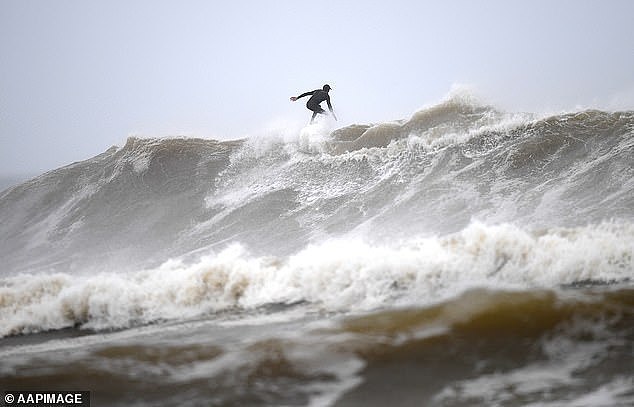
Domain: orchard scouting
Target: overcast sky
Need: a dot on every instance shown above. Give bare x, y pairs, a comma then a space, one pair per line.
77, 77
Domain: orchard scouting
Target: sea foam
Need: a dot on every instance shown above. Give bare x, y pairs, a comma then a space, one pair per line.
339, 275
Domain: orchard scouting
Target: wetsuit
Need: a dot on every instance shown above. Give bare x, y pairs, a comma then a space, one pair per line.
318, 96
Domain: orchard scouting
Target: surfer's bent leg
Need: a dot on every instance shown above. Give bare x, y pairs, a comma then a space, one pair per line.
316, 109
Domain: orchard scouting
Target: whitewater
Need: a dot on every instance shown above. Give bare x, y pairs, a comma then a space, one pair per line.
462, 256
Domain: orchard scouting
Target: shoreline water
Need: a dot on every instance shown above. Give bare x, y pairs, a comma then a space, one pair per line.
577, 339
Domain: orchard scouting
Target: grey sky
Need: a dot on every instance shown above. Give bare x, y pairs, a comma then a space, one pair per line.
77, 77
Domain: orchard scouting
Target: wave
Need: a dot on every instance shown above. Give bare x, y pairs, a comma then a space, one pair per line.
126, 202
350, 219
482, 347
340, 275
499, 347
153, 199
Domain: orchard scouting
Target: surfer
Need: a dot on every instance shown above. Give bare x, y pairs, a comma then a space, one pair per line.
317, 96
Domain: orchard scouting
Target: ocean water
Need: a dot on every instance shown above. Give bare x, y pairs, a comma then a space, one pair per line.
463, 256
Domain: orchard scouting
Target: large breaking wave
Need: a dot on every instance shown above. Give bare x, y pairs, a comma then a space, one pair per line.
458, 195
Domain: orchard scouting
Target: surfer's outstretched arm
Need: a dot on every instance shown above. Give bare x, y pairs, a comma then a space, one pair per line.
294, 98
